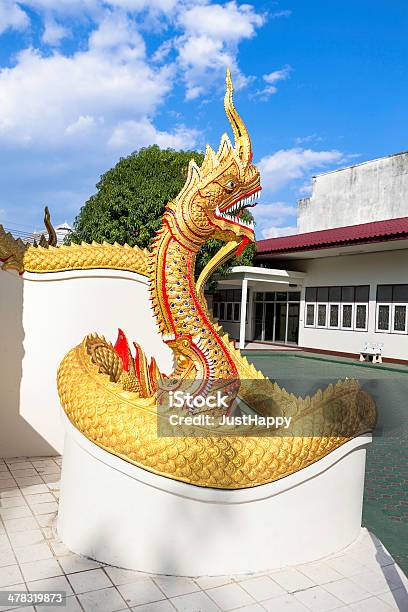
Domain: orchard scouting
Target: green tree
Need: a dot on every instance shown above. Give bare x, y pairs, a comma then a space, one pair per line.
130, 201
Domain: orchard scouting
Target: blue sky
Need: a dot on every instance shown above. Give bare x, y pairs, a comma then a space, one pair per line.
320, 85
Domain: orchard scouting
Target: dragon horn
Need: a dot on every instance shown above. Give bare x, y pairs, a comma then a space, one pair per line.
242, 140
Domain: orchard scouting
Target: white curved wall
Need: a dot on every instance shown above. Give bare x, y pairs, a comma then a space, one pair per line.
43, 316
151, 523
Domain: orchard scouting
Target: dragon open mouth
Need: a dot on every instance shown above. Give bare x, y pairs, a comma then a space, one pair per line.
233, 211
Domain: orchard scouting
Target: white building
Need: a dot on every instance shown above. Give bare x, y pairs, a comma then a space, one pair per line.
339, 283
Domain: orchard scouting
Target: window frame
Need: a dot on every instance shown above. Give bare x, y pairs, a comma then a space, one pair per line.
398, 331
360, 329
343, 327
330, 304
377, 310
325, 304
314, 314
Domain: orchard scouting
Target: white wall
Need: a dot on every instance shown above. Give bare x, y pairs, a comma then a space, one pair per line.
366, 269
371, 191
43, 316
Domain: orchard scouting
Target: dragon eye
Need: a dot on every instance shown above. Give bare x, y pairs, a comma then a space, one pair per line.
231, 185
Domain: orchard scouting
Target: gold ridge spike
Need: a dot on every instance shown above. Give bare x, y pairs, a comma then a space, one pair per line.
241, 135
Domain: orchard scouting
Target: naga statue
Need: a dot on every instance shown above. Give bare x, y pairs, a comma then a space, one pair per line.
111, 394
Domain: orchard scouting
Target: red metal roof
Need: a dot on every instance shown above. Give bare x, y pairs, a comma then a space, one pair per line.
377, 231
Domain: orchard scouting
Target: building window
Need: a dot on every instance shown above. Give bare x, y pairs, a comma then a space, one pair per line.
361, 317
347, 316
392, 309
321, 315
334, 316
383, 317
399, 324
310, 315
227, 305
337, 307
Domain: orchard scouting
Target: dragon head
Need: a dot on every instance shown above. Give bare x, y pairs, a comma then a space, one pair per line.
215, 195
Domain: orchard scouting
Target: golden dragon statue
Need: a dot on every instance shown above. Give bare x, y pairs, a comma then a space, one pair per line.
112, 396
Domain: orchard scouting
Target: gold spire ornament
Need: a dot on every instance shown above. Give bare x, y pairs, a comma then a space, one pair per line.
111, 394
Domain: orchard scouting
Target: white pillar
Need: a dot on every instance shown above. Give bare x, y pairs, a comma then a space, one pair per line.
244, 292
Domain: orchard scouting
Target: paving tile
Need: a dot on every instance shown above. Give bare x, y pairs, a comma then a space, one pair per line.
397, 600
12, 502
173, 586
291, 580
284, 603
19, 465
49, 533
209, 582
56, 583
140, 592
10, 575
25, 538
345, 565
372, 604
6, 485
105, 600
36, 570
39, 498
157, 606
46, 520
74, 563
34, 489
71, 604
15, 513
27, 473
90, 580
123, 576
319, 573
20, 524
346, 590
28, 481
230, 596
33, 552
375, 582
59, 548
46, 508
262, 588
7, 558
195, 602
10, 491
318, 599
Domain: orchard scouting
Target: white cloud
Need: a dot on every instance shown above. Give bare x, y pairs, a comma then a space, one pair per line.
275, 217
144, 133
286, 165
54, 33
42, 97
212, 33
275, 232
271, 79
12, 16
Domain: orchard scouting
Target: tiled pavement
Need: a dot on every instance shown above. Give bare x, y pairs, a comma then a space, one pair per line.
363, 578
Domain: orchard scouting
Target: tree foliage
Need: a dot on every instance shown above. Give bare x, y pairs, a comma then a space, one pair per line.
130, 200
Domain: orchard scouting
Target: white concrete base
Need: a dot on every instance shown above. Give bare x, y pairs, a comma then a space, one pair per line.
120, 514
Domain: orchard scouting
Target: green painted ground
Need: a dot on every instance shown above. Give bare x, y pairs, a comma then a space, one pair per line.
385, 510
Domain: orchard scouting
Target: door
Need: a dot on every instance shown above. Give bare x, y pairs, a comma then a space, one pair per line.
269, 307
280, 321
258, 321
293, 323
